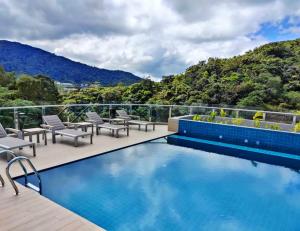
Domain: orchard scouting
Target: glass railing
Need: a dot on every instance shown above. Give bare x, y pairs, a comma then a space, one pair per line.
31, 116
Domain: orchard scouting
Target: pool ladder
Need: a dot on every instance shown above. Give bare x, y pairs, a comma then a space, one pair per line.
19, 159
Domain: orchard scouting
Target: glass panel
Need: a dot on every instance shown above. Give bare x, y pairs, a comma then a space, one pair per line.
7, 118
279, 118
180, 111
60, 111
160, 114
201, 111
142, 111
30, 117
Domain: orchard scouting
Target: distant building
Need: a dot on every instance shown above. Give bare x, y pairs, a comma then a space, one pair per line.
66, 87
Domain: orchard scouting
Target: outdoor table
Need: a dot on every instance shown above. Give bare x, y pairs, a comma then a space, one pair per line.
117, 121
83, 125
35, 131
140, 123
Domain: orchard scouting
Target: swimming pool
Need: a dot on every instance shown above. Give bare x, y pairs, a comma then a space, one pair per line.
158, 186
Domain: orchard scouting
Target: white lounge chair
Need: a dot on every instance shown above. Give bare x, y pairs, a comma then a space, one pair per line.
53, 123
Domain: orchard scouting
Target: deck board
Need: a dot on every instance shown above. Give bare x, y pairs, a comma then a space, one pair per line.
29, 210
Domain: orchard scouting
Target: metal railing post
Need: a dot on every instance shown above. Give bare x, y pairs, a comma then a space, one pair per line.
170, 111
16, 119
191, 110
43, 111
150, 113
237, 114
264, 116
109, 110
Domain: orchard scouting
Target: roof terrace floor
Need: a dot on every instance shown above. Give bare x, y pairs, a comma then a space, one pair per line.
29, 210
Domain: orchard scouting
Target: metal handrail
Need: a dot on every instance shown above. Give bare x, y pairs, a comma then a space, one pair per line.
19, 160
152, 105
7, 152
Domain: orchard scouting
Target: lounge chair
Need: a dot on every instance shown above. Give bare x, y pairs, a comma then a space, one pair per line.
134, 120
98, 122
53, 123
7, 142
122, 114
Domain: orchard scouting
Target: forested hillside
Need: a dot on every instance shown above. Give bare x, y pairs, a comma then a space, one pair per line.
24, 59
267, 77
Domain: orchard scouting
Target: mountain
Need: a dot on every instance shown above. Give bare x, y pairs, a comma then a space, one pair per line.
24, 59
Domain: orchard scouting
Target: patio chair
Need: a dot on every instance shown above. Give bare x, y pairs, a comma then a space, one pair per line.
94, 118
134, 120
122, 114
8, 142
53, 123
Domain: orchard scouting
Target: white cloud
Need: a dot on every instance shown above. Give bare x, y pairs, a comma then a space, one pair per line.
155, 37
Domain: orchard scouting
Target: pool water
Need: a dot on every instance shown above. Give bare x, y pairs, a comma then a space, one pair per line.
158, 186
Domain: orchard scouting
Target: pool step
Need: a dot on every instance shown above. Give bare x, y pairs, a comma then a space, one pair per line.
250, 153
33, 187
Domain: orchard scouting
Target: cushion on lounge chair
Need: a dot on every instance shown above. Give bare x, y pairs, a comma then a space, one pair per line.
2, 131
12, 143
94, 117
112, 126
140, 122
122, 113
54, 122
72, 132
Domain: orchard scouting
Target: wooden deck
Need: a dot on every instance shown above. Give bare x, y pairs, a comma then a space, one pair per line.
29, 210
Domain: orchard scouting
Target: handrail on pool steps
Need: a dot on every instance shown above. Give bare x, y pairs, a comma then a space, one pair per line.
27, 184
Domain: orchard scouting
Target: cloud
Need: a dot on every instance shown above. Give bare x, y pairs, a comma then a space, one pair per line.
156, 38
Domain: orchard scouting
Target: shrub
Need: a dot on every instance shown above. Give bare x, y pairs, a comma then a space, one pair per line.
258, 115
196, 117
297, 127
223, 113
238, 121
273, 126
212, 116
257, 123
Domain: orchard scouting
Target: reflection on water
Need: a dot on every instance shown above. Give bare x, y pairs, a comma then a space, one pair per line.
156, 186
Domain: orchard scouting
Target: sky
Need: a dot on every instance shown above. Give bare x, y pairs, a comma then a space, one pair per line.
148, 37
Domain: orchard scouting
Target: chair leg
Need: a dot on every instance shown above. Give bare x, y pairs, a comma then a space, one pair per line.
53, 139
127, 131
76, 141
91, 141
45, 137
33, 149
2, 181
